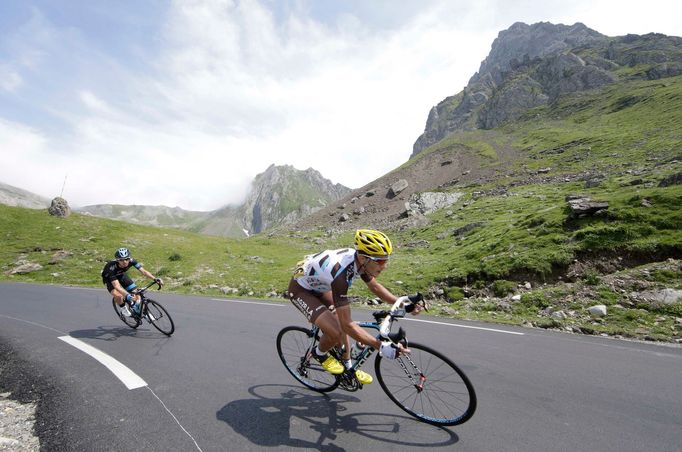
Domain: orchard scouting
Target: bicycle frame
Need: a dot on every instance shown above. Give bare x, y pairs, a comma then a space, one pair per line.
384, 329
143, 299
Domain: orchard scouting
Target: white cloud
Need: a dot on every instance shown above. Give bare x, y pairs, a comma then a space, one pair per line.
10, 79
231, 88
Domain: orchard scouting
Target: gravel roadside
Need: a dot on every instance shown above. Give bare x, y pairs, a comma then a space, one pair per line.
27, 404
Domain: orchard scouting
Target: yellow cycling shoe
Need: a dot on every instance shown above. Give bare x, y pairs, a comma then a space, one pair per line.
363, 377
332, 365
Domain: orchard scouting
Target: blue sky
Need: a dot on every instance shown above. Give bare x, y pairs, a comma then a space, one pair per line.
183, 103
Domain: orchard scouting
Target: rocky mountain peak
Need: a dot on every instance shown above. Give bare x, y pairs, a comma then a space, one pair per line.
283, 194
533, 65
526, 42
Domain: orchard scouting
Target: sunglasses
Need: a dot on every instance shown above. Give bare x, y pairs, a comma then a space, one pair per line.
376, 259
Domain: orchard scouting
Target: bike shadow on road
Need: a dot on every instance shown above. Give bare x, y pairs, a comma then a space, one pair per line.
112, 333
267, 419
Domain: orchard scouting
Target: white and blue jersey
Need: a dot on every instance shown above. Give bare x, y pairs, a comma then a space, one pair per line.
318, 271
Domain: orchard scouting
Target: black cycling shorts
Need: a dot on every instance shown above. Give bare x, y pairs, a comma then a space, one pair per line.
125, 280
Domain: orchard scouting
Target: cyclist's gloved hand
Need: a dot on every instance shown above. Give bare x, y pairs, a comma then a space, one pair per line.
158, 281
417, 303
388, 350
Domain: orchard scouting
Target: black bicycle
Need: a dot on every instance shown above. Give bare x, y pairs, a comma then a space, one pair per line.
424, 383
150, 310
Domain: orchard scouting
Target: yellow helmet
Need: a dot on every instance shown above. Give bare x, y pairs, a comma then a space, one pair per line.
373, 243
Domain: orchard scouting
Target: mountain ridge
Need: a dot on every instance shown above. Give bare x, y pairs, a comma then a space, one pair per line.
279, 195
15, 196
532, 65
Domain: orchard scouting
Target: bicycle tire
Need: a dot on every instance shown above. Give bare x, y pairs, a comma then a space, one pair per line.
132, 322
447, 396
159, 317
293, 343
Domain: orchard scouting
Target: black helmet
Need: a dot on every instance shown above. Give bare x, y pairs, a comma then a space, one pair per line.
122, 253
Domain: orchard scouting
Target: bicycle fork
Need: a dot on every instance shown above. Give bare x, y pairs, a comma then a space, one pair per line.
422, 378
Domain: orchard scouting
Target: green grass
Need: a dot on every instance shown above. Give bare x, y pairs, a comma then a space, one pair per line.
186, 260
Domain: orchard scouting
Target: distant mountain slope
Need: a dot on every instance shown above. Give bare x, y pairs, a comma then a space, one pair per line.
280, 195
532, 65
14, 196
171, 217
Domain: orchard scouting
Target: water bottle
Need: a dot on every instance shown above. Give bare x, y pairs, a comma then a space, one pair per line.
356, 350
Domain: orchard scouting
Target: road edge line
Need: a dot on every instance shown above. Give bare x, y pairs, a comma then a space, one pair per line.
129, 378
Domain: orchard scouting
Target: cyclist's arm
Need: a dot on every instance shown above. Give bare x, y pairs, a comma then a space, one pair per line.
353, 330
380, 291
146, 273
339, 295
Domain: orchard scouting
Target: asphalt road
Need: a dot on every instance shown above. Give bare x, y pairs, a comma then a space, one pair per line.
217, 383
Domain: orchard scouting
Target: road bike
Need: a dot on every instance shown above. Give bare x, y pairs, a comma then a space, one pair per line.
424, 383
150, 310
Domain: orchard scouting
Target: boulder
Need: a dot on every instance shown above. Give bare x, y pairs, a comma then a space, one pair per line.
597, 310
673, 179
59, 208
59, 256
428, 202
396, 188
583, 205
26, 268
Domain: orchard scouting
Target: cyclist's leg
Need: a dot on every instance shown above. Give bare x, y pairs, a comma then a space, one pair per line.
116, 294
313, 307
333, 334
130, 286
329, 325
315, 311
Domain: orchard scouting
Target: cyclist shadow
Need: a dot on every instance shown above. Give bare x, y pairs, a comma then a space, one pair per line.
267, 420
112, 333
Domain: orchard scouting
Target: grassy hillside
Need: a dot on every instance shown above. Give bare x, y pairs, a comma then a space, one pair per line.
189, 262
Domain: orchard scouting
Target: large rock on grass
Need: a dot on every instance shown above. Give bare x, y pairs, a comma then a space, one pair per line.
59, 208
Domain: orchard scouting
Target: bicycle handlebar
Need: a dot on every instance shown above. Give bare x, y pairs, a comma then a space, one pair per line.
144, 289
398, 310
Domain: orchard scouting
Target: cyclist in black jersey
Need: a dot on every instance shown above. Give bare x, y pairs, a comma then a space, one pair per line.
319, 290
119, 284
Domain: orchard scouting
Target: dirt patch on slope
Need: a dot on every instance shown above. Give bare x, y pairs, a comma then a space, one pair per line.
374, 206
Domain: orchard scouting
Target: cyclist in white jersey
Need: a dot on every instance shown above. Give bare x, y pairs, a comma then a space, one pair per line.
319, 290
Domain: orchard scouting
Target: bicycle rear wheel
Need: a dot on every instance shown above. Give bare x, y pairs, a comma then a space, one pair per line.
428, 386
159, 317
132, 322
294, 344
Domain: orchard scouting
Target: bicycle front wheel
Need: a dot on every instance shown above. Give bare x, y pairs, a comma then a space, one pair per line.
428, 386
132, 322
294, 345
159, 317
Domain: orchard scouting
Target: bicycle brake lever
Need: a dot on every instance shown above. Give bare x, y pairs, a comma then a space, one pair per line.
398, 336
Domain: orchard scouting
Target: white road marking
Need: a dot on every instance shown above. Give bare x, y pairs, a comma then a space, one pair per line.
123, 373
175, 418
247, 302
32, 323
467, 326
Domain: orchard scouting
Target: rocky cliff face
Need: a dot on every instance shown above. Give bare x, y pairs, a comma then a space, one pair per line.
283, 194
532, 65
